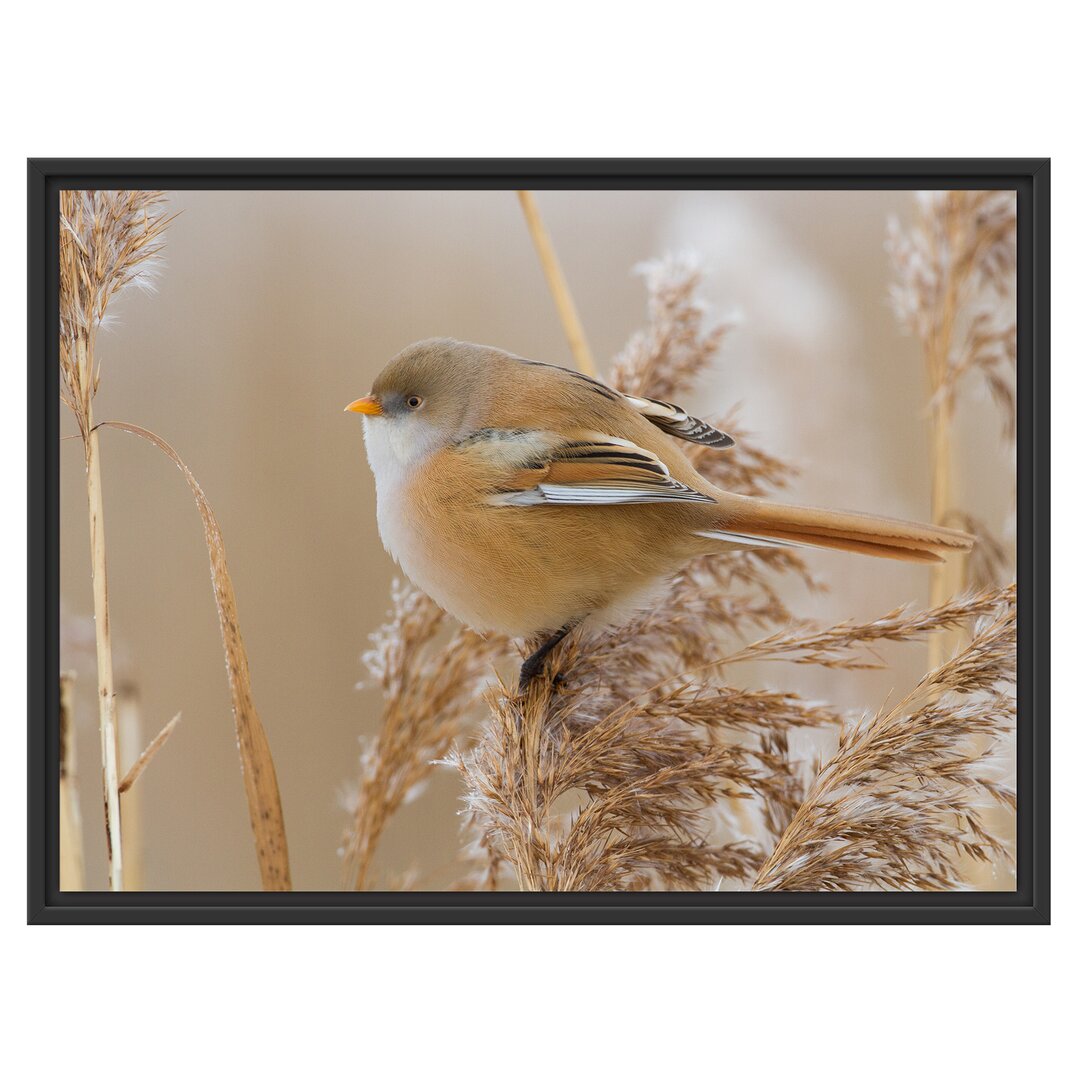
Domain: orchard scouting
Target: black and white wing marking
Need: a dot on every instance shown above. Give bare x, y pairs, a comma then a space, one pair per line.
681, 424
588, 470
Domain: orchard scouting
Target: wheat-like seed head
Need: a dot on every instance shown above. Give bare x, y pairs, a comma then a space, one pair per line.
667, 359
955, 282
430, 695
907, 789
109, 241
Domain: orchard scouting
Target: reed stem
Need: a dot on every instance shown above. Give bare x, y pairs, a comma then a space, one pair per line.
560, 291
106, 697
129, 731
72, 874
946, 578
110, 780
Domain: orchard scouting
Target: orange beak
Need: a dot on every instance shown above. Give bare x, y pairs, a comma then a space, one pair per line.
369, 406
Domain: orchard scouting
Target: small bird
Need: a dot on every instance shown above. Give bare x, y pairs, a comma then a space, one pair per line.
529, 499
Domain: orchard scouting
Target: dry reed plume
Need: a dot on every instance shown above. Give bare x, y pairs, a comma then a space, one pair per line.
109, 241
954, 290
907, 789
641, 773
578, 796
955, 274
669, 356
430, 694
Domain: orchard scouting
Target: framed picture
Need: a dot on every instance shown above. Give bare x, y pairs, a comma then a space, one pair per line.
594, 541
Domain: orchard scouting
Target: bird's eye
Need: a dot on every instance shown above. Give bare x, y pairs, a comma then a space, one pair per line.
414, 402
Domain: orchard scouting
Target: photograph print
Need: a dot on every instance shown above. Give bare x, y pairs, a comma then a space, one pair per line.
423, 545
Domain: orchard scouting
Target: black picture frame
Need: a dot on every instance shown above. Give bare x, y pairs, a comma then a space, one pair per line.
1030, 903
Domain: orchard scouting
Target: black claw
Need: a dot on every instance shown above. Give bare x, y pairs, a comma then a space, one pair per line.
534, 663
529, 670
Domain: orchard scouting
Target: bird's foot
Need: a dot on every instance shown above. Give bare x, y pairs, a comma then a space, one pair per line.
534, 663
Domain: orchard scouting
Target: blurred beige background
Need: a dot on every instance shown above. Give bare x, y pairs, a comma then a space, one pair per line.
274, 309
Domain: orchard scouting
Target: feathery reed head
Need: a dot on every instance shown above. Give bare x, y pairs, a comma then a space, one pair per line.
907, 789
666, 359
109, 241
430, 694
955, 280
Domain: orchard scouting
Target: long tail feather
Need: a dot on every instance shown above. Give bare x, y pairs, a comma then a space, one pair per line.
756, 521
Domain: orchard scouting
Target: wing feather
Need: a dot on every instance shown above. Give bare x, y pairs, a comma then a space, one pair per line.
586, 469
678, 422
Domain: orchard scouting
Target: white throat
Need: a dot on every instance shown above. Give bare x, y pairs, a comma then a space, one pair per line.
395, 447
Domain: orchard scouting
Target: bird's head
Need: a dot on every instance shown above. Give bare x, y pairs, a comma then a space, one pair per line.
427, 397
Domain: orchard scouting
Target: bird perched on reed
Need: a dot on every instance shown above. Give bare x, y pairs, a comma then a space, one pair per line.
529, 499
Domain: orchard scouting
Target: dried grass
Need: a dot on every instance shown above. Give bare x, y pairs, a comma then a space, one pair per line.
666, 359
846, 644
579, 796
72, 873
144, 759
109, 240
907, 790
647, 769
256, 761
991, 561
612, 772
430, 695
955, 291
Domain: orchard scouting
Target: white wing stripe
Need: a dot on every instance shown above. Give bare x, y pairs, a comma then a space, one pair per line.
576, 495
749, 541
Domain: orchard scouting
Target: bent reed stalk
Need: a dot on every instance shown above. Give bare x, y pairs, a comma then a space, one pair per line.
110, 240
256, 762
